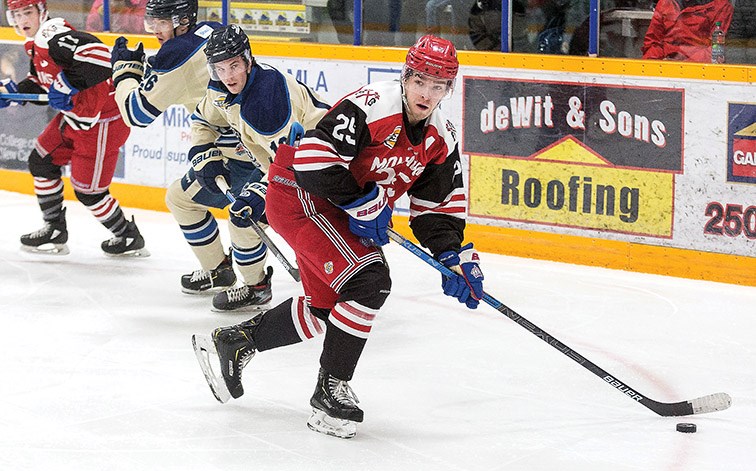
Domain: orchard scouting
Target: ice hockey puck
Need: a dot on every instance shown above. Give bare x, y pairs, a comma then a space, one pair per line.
686, 428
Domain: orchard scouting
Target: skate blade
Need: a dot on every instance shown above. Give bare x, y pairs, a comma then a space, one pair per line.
139, 253
203, 348
203, 292
321, 422
47, 249
250, 308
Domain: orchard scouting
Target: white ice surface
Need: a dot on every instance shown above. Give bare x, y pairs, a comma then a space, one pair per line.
98, 371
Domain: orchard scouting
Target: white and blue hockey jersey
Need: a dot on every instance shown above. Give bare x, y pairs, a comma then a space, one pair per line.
260, 115
176, 75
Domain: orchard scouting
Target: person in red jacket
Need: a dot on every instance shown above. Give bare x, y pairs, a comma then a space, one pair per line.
73, 69
126, 16
681, 29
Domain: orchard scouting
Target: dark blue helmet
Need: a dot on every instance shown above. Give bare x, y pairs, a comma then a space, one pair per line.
226, 43
182, 12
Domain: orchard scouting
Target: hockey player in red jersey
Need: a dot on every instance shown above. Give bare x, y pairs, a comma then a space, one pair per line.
73, 69
332, 199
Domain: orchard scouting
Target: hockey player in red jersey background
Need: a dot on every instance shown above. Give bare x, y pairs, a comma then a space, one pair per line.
73, 69
332, 199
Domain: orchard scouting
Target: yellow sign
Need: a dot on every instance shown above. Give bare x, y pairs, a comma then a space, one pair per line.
569, 185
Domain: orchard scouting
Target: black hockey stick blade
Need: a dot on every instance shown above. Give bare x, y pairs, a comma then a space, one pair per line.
701, 405
293, 271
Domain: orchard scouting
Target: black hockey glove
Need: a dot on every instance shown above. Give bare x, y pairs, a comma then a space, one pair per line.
249, 206
467, 287
127, 63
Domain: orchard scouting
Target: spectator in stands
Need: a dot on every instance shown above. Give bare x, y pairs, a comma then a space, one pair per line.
610, 38
741, 38
485, 26
459, 13
126, 16
681, 29
341, 17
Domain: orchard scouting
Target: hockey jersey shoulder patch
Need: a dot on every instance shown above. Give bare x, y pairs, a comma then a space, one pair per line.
205, 29
378, 100
48, 30
444, 129
267, 105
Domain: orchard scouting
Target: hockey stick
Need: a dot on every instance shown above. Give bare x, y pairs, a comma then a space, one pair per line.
24, 97
700, 405
294, 272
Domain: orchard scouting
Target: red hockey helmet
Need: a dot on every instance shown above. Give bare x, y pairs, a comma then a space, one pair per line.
433, 56
18, 4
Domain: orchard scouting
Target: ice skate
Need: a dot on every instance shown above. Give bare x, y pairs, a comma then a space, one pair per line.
247, 297
223, 355
334, 407
129, 244
51, 239
201, 281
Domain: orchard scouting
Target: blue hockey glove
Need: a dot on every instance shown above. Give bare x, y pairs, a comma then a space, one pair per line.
296, 133
249, 206
369, 216
61, 93
7, 86
207, 163
467, 287
127, 63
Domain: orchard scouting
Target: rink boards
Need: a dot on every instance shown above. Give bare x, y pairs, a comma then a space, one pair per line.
618, 163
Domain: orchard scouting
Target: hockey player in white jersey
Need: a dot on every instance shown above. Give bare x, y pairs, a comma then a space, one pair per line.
178, 75
260, 104
330, 196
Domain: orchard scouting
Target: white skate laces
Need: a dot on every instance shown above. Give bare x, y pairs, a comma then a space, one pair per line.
238, 294
199, 275
246, 356
47, 228
342, 392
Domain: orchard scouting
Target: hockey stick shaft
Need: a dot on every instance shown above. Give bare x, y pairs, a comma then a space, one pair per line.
293, 271
24, 97
710, 403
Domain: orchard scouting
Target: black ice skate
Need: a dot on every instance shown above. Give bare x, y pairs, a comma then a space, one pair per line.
247, 297
128, 244
231, 348
201, 281
51, 239
334, 407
